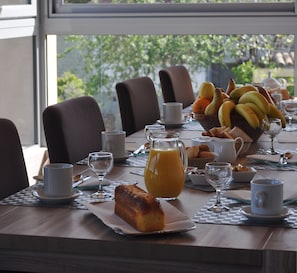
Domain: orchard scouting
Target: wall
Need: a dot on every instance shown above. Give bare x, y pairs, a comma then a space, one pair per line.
16, 85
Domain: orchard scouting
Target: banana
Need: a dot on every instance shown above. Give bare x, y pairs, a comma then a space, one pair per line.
224, 113
274, 112
212, 108
256, 98
238, 92
248, 114
257, 111
231, 86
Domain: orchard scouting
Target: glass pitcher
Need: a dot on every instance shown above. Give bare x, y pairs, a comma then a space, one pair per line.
164, 174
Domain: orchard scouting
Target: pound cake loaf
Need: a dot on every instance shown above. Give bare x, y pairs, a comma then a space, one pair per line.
139, 208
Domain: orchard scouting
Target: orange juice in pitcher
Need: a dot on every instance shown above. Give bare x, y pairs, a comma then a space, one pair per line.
164, 173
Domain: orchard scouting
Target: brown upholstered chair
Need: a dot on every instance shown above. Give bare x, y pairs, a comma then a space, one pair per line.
12, 165
73, 129
138, 103
176, 85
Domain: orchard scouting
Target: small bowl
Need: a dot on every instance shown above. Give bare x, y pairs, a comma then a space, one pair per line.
197, 176
244, 176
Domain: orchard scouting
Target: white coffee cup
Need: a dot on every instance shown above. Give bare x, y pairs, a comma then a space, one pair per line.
149, 129
114, 142
172, 112
58, 179
266, 197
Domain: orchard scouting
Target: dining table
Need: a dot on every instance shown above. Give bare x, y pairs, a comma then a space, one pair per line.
39, 237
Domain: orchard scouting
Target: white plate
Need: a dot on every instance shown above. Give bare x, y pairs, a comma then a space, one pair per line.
175, 220
271, 158
246, 211
55, 200
122, 158
116, 159
172, 125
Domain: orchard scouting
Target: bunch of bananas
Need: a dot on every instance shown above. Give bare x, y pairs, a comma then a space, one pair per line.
253, 103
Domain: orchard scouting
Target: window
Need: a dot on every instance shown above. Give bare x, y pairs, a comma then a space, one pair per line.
268, 26
86, 65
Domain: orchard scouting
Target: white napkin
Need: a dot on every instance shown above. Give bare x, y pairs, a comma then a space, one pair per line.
287, 137
92, 183
272, 158
245, 195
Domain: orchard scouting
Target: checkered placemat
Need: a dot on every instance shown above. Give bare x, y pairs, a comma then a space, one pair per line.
25, 197
235, 217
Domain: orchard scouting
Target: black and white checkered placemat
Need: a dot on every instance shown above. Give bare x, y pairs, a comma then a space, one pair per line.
235, 217
25, 197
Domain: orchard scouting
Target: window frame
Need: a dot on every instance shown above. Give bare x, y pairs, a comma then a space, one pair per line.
168, 10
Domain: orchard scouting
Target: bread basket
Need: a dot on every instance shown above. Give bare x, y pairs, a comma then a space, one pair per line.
200, 162
208, 122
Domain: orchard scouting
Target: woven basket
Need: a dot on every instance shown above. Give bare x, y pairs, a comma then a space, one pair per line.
208, 122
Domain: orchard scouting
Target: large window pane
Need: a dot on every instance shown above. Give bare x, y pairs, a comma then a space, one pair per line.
92, 65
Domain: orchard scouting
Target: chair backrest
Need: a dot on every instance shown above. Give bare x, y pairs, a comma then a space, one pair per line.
73, 129
176, 85
13, 171
138, 103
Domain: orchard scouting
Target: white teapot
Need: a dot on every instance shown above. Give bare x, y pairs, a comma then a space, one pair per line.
226, 148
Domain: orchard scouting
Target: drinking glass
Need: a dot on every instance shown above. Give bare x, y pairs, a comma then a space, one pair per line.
101, 164
218, 175
271, 127
290, 108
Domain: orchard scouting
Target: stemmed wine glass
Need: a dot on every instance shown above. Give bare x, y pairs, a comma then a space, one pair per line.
218, 175
290, 108
101, 164
271, 127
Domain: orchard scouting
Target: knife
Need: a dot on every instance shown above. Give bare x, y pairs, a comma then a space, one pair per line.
139, 150
74, 185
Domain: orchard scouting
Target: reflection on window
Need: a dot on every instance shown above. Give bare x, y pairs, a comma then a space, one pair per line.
92, 65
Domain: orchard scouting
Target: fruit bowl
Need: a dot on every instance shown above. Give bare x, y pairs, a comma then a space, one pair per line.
208, 122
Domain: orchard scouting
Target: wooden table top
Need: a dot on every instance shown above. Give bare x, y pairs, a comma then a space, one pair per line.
73, 240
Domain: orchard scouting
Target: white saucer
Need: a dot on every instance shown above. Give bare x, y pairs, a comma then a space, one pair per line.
55, 200
122, 157
246, 211
172, 125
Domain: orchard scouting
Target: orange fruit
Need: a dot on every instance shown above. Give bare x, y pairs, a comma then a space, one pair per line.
199, 105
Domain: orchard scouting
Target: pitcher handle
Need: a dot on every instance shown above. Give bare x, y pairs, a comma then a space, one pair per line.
183, 154
239, 139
